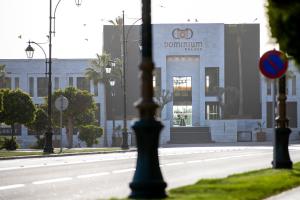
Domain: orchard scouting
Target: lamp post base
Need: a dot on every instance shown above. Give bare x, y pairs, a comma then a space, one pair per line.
48, 148
281, 149
147, 182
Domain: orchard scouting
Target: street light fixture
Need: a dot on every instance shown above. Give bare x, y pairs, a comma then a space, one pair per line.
29, 51
48, 147
78, 2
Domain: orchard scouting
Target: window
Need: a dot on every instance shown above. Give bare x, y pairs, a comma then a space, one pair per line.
212, 111
31, 86
83, 83
17, 82
182, 88
96, 89
5, 83
56, 83
211, 81
98, 114
294, 85
71, 81
42, 83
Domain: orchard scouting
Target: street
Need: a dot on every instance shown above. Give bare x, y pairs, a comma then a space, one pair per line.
103, 176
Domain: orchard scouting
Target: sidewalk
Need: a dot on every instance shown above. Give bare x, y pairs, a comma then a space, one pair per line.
293, 194
132, 149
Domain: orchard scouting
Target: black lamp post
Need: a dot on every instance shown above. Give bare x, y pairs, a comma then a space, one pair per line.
147, 182
124, 56
48, 147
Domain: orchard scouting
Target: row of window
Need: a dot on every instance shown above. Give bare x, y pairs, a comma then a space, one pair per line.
41, 83
291, 86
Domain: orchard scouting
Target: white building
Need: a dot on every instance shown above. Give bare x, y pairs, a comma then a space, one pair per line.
210, 69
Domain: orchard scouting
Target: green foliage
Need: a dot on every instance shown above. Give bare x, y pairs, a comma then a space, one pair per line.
39, 124
251, 185
284, 17
81, 110
89, 134
10, 144
96, 70
17, 107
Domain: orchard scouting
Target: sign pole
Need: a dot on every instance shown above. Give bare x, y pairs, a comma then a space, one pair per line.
281, 140
61, 104
273, 65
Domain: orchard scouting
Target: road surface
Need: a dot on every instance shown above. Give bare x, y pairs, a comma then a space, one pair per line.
103, 176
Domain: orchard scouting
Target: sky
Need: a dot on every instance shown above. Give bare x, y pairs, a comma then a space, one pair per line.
79, 29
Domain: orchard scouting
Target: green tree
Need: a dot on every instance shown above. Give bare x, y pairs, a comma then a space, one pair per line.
96, 69
96, 72
81, 110
284, 17
17, 108
89, 134
39, 125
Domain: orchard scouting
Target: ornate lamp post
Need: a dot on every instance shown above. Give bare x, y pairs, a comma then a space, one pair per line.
147, 181
48, 148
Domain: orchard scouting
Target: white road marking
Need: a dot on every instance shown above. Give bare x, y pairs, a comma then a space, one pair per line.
7, 187
52, 180
93, 175
123, 170
173, 164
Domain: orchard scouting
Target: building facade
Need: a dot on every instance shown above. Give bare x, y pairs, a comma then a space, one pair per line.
210, 70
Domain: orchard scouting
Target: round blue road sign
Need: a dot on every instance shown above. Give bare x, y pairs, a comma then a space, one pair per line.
273, 64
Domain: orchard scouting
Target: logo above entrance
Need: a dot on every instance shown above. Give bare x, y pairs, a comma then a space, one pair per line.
178, 33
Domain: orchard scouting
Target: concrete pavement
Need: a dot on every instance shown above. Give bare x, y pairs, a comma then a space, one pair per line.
293, 194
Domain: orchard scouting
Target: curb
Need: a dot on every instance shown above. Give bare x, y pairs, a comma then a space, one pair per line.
66, 154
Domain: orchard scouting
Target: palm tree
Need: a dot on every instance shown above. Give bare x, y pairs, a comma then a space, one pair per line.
97, 73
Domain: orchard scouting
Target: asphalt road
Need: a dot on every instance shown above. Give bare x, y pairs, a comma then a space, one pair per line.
107, 175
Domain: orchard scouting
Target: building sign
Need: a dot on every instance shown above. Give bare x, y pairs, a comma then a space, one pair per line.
183, 34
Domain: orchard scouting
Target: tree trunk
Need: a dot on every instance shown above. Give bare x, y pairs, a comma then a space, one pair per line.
12, 131
70, 132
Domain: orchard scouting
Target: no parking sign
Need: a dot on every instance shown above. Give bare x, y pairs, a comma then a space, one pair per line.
273, 64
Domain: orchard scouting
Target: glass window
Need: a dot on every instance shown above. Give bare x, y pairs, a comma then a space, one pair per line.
212, 111
5, 83
182, 86
211, 81
71, 81
98, 114
294, 85
17, 82
31, 86
182, 115
83, 83
42, 83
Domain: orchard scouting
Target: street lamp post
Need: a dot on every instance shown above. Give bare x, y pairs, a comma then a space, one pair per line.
124, 56
48, 147
147, 181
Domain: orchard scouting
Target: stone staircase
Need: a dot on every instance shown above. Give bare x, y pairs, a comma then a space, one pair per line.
190, 135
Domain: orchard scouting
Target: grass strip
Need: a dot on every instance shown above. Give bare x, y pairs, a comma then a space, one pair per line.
5, 153
254, 185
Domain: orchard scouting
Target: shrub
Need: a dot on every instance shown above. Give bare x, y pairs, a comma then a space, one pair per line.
10, 144
89, 134
40, 141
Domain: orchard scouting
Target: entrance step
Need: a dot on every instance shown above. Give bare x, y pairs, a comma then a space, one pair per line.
190, 135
